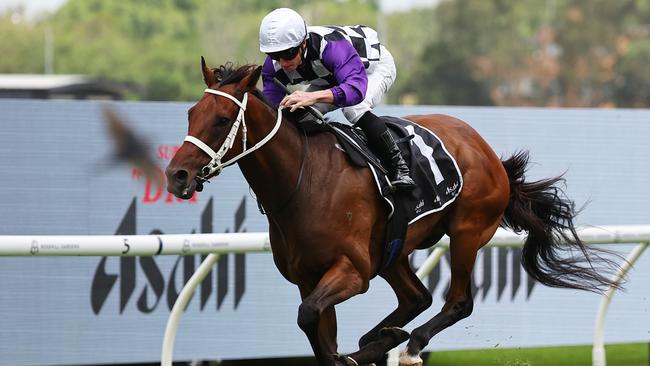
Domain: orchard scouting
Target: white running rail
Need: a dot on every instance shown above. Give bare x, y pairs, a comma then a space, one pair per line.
132, 245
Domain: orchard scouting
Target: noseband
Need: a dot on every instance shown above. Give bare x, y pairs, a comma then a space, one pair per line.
215, 166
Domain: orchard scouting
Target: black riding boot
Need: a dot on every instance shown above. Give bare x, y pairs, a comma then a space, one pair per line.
382, 143
400, 177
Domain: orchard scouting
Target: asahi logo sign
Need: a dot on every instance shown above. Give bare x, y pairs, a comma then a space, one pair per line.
140, 281
497, 269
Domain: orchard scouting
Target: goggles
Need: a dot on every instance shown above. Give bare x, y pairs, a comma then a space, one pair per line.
288, 54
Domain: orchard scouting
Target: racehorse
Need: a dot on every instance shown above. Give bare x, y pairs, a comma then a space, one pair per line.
327, 222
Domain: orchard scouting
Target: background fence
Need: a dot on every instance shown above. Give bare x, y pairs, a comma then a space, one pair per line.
58, 179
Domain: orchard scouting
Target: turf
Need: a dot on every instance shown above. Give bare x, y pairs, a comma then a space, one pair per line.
617, 355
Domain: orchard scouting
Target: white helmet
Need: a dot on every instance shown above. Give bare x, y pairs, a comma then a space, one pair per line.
282, 29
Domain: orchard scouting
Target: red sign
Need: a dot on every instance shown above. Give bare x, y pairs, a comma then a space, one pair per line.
154, 189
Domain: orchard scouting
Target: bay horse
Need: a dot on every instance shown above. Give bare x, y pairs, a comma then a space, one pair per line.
327, 221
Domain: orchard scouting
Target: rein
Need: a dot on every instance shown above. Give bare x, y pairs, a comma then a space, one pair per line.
215, 166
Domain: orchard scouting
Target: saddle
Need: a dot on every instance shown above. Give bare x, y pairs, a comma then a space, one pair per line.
433, 169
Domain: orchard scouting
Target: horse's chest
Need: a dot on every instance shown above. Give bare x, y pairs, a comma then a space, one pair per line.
296, 266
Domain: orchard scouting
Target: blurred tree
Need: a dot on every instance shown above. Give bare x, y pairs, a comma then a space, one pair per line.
22, 48
146, 43
406, 35
552, 52
633, 84
526, 52
446, 80
593, 37
479, 45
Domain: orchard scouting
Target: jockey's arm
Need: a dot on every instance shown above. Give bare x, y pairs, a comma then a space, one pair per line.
271, 91
344, 62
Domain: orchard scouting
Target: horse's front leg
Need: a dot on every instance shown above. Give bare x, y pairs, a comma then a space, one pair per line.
413, 298
316, 314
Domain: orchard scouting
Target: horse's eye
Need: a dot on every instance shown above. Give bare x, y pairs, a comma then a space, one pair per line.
222, 121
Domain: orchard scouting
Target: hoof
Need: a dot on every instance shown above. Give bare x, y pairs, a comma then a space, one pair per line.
345, 360
407, 360
395, 334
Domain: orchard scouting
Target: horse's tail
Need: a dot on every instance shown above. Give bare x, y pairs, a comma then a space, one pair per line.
553, 254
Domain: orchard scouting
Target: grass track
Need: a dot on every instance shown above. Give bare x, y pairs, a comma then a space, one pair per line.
617, 355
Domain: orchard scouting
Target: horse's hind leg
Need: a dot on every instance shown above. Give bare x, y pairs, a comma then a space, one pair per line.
458, 305
413, 298
316, 315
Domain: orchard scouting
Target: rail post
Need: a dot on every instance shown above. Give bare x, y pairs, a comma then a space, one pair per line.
167, 357
598, 357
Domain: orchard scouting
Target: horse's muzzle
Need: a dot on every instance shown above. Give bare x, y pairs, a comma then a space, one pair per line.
180, 183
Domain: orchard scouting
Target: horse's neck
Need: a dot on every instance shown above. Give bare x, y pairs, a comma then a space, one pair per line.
271, 171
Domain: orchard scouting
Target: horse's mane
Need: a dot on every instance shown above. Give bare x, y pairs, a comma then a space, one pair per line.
229, 73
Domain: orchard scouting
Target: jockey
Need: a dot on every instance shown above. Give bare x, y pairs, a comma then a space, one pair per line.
332, 67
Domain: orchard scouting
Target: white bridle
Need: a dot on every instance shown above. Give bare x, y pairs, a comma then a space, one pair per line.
215, 166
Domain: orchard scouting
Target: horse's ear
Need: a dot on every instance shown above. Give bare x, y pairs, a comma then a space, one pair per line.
208, 74
251, 80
